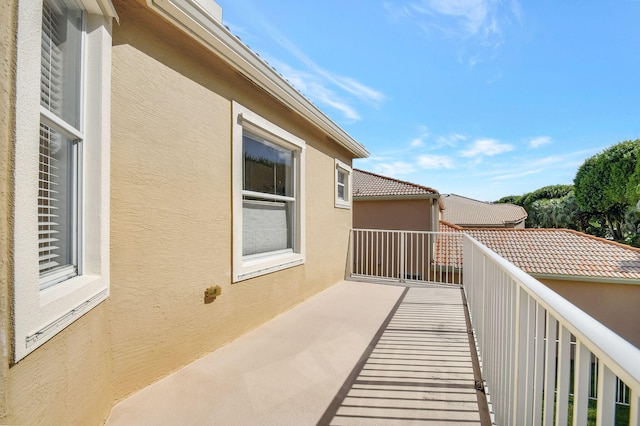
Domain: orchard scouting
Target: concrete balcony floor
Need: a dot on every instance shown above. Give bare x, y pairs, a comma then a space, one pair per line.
358, 353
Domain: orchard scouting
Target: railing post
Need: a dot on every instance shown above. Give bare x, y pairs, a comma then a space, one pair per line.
523, 380
550, 370
538, 378
606, 395
564, 359
402, 254
581, 385
350, 255
634, 416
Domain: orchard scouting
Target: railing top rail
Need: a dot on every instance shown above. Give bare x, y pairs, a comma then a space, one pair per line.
621, 357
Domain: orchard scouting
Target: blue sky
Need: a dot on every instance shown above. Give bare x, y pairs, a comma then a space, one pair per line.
480, 98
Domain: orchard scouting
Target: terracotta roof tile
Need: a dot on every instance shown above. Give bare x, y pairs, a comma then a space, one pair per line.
558, 251
367, 184
469, 213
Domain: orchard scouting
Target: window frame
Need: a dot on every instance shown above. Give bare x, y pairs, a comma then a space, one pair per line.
39, 314
250, 266
343, 167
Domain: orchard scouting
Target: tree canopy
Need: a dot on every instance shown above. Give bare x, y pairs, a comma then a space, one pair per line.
606, 185
603, 201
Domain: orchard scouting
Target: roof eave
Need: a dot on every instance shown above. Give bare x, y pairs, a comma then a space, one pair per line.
586, 278
199, 24
397, 197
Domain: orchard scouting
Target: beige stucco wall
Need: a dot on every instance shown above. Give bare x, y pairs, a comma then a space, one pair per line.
170, 229
67, 381
412, 215
7, 65
171, 204
614, 305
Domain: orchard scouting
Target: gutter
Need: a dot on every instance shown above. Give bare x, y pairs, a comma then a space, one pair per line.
200, 23
397, 197
584, 278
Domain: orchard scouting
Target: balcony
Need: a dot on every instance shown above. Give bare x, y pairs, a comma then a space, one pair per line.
396, 344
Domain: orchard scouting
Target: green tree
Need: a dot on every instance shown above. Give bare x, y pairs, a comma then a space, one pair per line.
606, 186
510, 199
547, 207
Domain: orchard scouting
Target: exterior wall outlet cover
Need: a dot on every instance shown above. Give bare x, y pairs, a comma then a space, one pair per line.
211, 293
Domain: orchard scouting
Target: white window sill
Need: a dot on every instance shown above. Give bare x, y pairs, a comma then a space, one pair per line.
343, 204
266, 264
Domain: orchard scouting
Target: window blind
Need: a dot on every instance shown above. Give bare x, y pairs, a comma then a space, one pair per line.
341, 185
47, 203
54, 198
52, 60
266, 226
57, 169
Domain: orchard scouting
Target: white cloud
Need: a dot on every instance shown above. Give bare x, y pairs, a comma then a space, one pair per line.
397, 12
481, 25
356, 88
348, 84
332, 90
488, 147
516, 10
419, 141
516, 175
317, 89
394, 168
451, 140
458, 18
331, 99
472, 14
435, 162
539, 141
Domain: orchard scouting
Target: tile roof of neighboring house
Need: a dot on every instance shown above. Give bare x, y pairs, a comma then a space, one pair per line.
560, 252
470, 213
369, 185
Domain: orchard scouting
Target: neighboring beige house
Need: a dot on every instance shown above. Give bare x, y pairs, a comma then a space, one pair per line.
470, 213
599, 276
381, 202
147, 155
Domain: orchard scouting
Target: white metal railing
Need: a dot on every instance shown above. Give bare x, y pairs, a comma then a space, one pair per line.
406, 256
513, 317
529, 381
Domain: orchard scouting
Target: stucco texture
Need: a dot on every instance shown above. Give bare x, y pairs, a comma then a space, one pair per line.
171, 228
7, 97
67, 381
614, 305
171, 204
410, 215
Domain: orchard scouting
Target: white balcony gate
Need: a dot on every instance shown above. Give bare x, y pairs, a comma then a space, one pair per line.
527, 380
406, 256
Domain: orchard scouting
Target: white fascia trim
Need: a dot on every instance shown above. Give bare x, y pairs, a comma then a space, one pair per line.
397, 197
584, 278
197, 22
100, 7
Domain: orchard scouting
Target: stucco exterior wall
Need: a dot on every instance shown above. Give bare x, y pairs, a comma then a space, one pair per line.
410, 215
7, 97
171, 204
171, 228
67, 381
614, 305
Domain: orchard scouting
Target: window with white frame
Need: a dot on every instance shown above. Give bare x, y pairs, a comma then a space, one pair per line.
61, 235
268, 196
342, 184
61, 140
